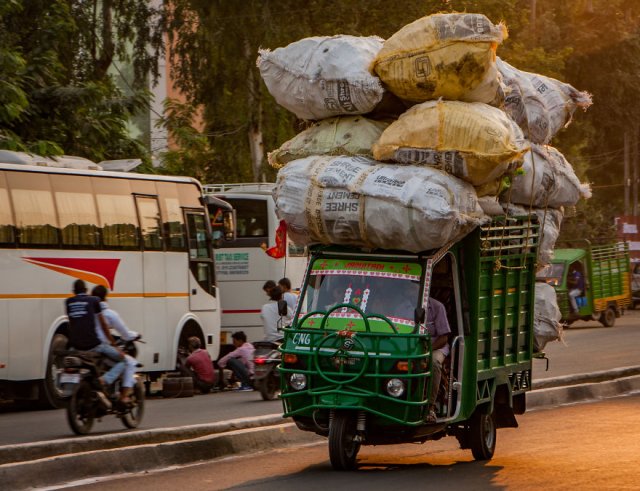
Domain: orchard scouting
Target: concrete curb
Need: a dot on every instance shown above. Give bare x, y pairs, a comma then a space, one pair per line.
100, 463
43, 464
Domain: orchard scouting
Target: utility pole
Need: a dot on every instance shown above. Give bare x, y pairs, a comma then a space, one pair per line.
532, 19
627, 178
635, 170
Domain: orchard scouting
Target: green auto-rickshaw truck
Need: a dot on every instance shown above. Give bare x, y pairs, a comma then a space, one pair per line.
357, 368
606, 289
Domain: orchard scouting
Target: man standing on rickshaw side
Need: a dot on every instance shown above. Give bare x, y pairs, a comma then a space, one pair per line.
438, 326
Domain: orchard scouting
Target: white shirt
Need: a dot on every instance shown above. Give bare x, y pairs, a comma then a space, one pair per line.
271, 320
114, 321
291, 299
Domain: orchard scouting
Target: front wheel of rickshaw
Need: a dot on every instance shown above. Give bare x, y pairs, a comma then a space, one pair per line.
482, 435
343, 445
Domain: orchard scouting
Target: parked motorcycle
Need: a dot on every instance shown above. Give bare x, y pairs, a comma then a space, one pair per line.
79, 379
266, 360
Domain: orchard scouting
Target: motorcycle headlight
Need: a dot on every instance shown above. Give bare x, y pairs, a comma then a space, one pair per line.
395, 387
298, 381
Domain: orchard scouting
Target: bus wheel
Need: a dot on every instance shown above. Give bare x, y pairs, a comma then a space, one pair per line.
50, 394
608, 317
343, 446
482, 435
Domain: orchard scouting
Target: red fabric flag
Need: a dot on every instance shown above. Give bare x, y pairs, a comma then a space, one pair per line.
280, 249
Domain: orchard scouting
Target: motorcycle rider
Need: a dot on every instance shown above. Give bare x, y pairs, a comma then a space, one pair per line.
271, 316
85, 320
114, 321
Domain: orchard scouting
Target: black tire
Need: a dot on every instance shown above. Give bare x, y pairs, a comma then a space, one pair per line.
608, 317
134, 416
343, 449
82, 408
270, 388
177, 387
482, 435
50, 395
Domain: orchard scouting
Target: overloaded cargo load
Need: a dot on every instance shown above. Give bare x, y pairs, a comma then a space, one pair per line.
473, 141
540, 105
443, 55
547, 180
322, 77
546, 321
550, 221
345, 135
360, 202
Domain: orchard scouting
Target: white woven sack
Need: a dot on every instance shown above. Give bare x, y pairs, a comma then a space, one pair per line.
540, 105
358, 201
546, 320
548, 180
322, 77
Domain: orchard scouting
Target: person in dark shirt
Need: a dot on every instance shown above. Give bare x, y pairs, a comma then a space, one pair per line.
575, 282
82, 310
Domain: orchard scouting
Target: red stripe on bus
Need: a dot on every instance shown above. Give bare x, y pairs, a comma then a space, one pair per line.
241, 311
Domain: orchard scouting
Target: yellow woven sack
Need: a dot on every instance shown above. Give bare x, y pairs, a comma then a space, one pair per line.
472, 141
443, 55
348, 135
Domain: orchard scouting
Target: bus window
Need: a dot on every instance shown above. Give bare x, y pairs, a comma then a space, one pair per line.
117, 213
149, 214
76, 210
252, 221
199, 250
32, 199
173, 222
6, 219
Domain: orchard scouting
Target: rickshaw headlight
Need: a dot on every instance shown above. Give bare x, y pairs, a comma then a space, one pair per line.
395, 387
298, 381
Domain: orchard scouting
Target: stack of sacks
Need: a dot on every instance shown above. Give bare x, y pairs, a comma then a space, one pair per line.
546, 317
358, 201
342, 81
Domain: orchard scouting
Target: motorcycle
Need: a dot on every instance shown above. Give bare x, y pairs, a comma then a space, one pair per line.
88, 401
266, 361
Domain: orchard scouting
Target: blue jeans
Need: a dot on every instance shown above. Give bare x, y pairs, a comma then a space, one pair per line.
113, 354
240, 370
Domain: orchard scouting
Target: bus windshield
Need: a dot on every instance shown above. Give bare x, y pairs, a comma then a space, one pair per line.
389, 289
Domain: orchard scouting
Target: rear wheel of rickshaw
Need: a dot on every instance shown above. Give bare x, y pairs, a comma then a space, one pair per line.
608, 317
343, 446
482, 435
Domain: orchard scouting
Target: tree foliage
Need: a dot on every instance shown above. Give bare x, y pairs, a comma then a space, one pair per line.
57, 87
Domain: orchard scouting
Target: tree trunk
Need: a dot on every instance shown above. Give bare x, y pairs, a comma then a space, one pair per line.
108, 48
254, 103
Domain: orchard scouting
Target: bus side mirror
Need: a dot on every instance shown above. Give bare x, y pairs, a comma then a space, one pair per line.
229, 221
419, 315
283, 310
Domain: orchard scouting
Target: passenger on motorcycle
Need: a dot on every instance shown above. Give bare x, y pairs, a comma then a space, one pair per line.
86, 320
114, 321
271, 317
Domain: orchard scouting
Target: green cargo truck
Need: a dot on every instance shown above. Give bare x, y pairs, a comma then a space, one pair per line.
357, 367
605, 290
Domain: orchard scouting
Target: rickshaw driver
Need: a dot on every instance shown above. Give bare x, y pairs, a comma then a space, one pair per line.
438, 326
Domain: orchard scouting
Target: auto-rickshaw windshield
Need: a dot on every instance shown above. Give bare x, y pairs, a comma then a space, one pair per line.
551, 273
382, 288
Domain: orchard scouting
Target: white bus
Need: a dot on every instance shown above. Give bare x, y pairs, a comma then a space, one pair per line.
146, 238
242, 265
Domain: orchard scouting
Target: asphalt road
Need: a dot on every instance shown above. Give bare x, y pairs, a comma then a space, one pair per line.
587, 347
584, 447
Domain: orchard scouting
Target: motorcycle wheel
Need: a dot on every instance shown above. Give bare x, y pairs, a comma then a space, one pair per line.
343, 447
81, 409
270, 388
132, 418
